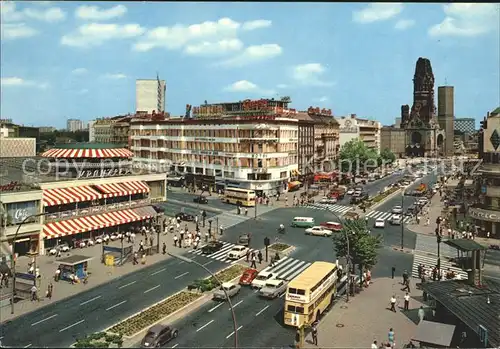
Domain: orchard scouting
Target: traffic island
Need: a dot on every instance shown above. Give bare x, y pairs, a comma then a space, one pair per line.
211, 283
100, 340
376, 200
281, 248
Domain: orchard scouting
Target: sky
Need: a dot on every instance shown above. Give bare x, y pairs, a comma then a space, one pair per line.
64, 60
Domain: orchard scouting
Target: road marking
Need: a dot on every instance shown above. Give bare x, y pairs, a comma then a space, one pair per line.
76, 323
256, 290
229, 335
179, 276
218, 305
174, 346
181, 262
39, 322
207, 263
159, 271
260, 312
116, 305
27, 346
151, 289
235, 305
130, 283
90, 300
202, 327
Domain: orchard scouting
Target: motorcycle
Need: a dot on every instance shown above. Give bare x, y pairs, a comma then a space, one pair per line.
281, 230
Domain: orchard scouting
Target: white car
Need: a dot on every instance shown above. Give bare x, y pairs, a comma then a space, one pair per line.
423, 202
237, 252
350, 191
318, 231
379, 223
326, 200
357, 193
262, 278
396, 219
397, 210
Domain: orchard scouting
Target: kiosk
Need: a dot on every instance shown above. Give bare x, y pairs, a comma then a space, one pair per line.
73, 265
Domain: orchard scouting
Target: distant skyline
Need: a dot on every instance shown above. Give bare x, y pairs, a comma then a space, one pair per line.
80, 60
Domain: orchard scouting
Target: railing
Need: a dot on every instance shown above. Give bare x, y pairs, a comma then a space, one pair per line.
97, 209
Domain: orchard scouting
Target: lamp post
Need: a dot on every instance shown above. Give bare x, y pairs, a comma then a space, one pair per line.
233, 315
402, 217
13, 259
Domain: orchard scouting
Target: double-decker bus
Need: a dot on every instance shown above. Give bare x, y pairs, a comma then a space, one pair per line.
236, 196
310, 294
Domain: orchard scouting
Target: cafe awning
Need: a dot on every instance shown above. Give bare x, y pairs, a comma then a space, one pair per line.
88, 153
294, 184
60, 196
123, 188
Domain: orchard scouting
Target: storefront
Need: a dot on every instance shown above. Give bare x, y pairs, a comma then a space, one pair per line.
486, 219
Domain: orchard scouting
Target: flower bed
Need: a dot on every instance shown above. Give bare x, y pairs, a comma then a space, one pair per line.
279, 247
226, 275
381, 196
100, 340
154, 314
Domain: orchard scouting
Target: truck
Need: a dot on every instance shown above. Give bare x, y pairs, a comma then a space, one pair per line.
338, 192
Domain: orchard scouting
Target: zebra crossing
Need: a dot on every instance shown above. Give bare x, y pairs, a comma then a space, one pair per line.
220, 255
329, 207
287, 268
431, 261
385, 216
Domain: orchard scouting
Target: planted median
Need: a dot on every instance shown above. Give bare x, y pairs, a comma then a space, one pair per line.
210, 283
376, 199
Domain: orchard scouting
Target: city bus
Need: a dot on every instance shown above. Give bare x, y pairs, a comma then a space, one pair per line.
310, 294
236, 196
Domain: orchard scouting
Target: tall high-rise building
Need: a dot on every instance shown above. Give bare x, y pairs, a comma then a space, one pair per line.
150, 95
465, 125
74, 125
446, 116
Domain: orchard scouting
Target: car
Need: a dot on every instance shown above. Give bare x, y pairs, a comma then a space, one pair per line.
333, 226
229, 288
261, 279
357, 193
248, 276
212, 247
330, 200
273, 288
200, 200
422, 201
396, 219
379, 223
184, 217
244, 240
159, 335
237, 252
318, 231
350, 191
397, 210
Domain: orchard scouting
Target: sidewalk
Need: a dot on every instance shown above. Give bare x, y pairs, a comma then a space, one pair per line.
367, 318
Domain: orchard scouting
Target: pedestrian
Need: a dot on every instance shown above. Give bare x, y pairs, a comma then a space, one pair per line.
57, 275
141, 246
421, 314
390, 336
259, 256
315, 335
374, 345
297, 339
407, 301
247, 256
393, 271
253, 264
164, 248
50, 288
34, 291
393, 303
407, 286
405, 277
175, 240
151, 241
135, 259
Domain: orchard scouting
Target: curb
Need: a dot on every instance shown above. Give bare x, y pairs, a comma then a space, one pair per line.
285, 252
405, 250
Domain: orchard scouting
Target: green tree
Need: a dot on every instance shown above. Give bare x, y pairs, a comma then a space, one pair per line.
363, 246
356, 156
387, 155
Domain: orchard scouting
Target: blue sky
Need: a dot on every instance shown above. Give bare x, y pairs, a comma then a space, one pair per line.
80, 60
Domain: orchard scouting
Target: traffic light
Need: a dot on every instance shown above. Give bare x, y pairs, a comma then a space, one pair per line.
439, 239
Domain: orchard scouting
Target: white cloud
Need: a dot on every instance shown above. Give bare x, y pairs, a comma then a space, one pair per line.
214, 48
403, 24
254, 54
257, 24
94, 13
9, 13
467, 20
79, 71
321, 99
10, 31
310, 74
247, 87
118, 76
15, 81
377, 12
95, 34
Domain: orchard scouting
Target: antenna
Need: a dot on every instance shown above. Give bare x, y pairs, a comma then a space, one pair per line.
445, 81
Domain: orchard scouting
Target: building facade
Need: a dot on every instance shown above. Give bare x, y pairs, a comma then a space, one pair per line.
254, 148
305, 145
150, 95
446, 117
393, 138
465, 125
17, 147
74, 125
92, 131
114, 130
351, 127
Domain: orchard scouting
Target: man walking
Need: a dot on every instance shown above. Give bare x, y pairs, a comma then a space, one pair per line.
164, 248
393, 303
393, 271
259, 256
405, 277
407, 301
254, 260
421, 314
407, 286
315, 335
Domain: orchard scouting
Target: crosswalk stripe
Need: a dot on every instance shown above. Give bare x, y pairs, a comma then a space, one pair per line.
386, 216
430, 262
285, 266
292, 274
269, 267
371, 214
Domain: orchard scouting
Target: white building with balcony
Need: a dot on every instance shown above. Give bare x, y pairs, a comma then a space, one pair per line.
352, 127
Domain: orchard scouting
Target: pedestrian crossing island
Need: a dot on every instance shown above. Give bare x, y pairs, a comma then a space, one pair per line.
385, 216
430, 262
329, 207
220, 255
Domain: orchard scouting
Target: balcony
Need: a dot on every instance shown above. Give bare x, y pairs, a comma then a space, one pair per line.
259, 170
97, 209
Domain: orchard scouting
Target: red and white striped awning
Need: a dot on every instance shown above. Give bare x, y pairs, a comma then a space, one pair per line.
123, 188
88, 223
88, 153
52, 197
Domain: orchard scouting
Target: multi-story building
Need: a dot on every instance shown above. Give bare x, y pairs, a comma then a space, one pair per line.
13, 147
47, 129
393, 138
249, 144
305, 146
486, 213
74, 125
92, 131
352, 127
9, 130
446, 116
114, 130
465, 125
150, 95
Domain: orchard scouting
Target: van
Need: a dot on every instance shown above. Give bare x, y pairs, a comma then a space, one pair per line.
303, 222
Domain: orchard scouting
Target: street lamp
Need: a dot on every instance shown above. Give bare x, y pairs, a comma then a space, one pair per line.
233, 315
402, 217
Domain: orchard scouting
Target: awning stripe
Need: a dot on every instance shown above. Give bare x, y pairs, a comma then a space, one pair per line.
69, 195
88, 153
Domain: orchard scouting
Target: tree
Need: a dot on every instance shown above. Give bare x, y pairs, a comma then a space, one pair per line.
355, 156
387, 155
363, 246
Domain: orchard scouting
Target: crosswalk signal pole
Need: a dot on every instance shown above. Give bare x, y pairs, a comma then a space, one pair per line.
402, 218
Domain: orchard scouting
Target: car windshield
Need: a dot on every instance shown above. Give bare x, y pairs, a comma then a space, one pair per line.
271, 286
261, 277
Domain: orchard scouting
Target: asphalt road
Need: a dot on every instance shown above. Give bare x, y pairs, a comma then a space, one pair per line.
213, 200
172, 209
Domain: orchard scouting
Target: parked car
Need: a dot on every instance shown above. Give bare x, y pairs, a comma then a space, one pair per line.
273, 288
229, 288
318, 231
237, 252
350, 191
200, 200
184, 217
261, 279
159, 335
212, 247
248, 276
333, 226
379, 223
244, 240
